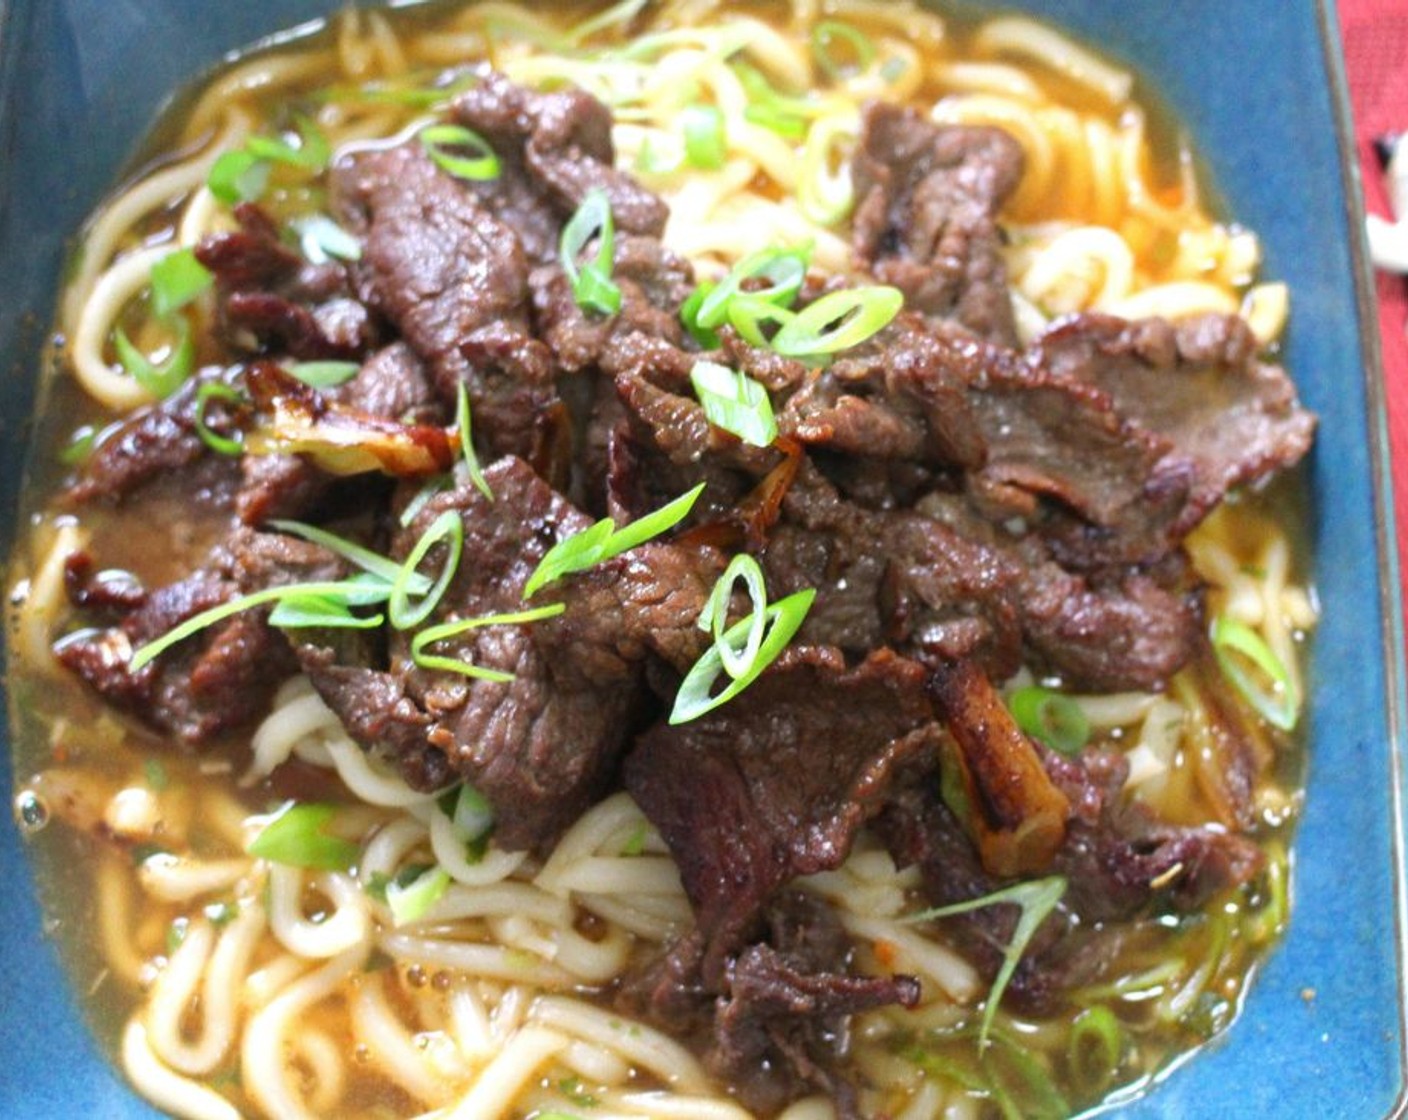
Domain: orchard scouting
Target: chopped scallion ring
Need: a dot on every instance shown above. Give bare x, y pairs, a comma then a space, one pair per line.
163, 378
449, 528
307, 611
1258, 674
838, 321
324, 375
828, 35
432, 634
784, 619
322, 239
471, 460
1036, 899
734, 402
603, 540
469, 811
441, 143
413, 901
177, 279
297, 837
714, 616
1055, 720
216, 391
705, 141
784, 269
592, 286
311, 153
238, 176
383, 568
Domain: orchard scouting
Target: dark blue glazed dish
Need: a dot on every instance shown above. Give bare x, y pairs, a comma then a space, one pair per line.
1258, 85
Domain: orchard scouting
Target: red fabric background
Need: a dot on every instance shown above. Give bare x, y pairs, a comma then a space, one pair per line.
1375, 35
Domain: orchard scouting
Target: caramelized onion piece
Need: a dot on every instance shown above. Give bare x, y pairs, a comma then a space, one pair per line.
296, 419
1014, 812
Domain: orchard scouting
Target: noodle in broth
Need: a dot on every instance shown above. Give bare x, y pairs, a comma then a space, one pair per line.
244, 986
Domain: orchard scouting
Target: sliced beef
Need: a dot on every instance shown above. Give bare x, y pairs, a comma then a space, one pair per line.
1197, 383
775, 783
562, 141
216, 680
453, 279
782, 1028
927, 198
158, 440
540, 746
271, 300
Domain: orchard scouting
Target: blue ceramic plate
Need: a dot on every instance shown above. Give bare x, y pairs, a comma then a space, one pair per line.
1258, 84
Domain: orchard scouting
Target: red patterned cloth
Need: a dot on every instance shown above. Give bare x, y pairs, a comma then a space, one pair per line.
1375, 35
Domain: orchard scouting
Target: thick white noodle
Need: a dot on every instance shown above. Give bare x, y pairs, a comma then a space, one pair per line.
348, 924
165, 1088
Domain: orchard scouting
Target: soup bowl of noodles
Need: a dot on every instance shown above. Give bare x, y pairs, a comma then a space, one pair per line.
692, 560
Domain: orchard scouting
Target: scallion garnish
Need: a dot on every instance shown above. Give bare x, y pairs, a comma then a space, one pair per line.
448, 528
324, 375
1036, 899
297, 836
469, 811
311, 153
689, 316
412, 901
216, 391
79, 446
348, 591
436, 485
383, 568
592, 286
322, 239
783, 618
838, 321
1257, 673
460, 151
787, 116
238, 176
830, 34
734, 402
603, 540
177, 279
714, 616
307, 611
160, 379
432, 634
705, 141
785, 270
825, 191
1054, 719
471, 460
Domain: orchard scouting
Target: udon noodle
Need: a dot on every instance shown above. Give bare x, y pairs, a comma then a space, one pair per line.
249, 987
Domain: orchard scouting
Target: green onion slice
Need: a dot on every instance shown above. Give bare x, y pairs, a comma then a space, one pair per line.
79, 446
747, 315
411, 902
838, 321
460, 151
734, 402
1036, 899
216, 391
433, 486
471, 460
448, 527
322, 239
1054, 719
469, 811
297, 836
432, 634
705, 141
592, 286
830, 34
238, 176
160, 379
305, 611
784, 269
325, 374
714, 616
787, 116
383, 568
603, 540
311, 153
1096, 1045
345, 589
784, 617
177, 279
1257, 673
825, 191
689, 316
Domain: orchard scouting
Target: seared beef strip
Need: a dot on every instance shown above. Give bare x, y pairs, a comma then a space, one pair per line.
927, 199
